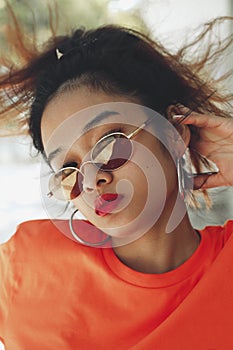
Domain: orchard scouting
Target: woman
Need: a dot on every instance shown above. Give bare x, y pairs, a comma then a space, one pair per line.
118, 119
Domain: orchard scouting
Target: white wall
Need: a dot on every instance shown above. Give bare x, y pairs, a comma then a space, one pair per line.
174, 18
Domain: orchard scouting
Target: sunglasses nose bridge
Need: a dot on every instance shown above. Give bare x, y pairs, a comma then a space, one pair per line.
93, 177
83, 165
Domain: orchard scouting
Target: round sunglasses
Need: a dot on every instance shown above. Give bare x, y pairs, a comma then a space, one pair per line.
110, 153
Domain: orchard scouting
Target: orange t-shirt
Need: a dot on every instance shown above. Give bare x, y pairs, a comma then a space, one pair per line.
57, 294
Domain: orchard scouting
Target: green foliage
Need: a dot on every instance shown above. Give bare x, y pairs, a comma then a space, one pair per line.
66, 15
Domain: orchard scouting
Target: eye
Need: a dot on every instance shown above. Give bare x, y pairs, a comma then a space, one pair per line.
70, 165
111, 132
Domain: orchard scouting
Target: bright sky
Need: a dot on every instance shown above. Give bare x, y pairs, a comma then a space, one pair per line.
174, 18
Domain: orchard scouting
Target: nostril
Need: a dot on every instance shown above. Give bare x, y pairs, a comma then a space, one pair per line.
88, 189
101, 181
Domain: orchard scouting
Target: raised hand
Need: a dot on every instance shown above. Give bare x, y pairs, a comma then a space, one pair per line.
214, 141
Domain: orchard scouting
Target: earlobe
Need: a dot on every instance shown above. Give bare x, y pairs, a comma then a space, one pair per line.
185, 134
179, 139
183, 141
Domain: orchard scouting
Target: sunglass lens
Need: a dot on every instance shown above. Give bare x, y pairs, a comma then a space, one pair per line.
66, 184
77, 187
112, 152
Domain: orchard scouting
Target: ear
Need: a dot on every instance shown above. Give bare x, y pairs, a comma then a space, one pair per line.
180, 143
179, 138
184, 132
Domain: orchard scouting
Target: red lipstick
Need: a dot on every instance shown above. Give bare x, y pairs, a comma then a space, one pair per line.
106, 203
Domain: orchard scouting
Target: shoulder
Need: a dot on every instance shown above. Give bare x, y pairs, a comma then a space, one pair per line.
42, 239
33, 232
56, 230
39, 259
37, 228
40, 247
224, 233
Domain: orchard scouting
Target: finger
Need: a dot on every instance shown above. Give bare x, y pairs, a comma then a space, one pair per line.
199, 120
212, 181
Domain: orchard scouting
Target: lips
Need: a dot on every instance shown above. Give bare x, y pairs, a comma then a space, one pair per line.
106, 203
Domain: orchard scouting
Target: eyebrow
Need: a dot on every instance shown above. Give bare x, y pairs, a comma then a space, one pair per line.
96, 120
53, 154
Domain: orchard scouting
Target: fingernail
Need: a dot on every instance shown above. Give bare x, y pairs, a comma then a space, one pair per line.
177, 116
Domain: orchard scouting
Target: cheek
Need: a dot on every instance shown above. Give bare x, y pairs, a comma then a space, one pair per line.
136, 186
85, 205
169, 170
167, 164
153, 167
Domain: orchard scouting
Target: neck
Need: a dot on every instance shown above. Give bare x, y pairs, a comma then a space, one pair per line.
158, 251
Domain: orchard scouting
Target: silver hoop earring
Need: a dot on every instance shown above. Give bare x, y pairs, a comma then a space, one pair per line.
81, 240
181, 180
184, 174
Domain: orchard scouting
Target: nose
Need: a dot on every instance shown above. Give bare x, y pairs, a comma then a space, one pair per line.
94, 178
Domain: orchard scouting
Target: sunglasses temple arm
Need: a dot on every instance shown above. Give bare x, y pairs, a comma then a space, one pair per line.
183, 118
142, 126
191, 110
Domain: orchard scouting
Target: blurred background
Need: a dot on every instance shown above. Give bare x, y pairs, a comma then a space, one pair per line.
172, 21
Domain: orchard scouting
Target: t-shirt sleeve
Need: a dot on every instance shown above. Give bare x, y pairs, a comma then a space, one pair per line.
228, 230
7, 251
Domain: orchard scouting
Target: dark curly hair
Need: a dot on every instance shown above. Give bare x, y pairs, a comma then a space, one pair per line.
112, 59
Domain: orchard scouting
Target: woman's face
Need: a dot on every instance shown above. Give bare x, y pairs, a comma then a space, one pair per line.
146, 185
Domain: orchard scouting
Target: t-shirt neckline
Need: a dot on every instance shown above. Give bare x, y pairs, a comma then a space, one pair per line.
166, 279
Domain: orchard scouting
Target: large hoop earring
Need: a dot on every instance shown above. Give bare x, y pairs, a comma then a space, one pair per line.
81, 240
181, 179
